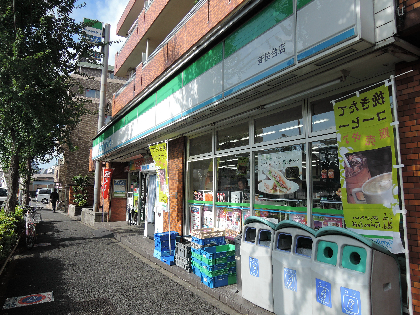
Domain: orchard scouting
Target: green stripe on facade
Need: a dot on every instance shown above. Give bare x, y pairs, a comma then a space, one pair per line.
302, 3
274, 13
108, 133
169, 88
259, 24
131, 116
206, 62
147, 104
119, 124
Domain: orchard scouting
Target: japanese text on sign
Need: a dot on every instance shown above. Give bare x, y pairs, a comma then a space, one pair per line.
275, 52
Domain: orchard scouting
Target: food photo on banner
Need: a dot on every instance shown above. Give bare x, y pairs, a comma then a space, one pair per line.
365, 138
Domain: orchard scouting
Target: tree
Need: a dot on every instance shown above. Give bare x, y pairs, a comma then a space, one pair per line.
39, 105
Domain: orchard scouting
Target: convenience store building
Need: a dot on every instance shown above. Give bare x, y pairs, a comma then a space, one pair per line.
280, 109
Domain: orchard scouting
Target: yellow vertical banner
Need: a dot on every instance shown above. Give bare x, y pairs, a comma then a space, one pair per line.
160, 157
365, 139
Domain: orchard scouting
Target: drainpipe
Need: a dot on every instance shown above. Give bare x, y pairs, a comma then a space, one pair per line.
101, 118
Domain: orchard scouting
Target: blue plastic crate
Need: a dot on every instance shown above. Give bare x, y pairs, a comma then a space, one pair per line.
165, 235
165, 243
158, 254
169, 260
196, 271
220, 240
215, 282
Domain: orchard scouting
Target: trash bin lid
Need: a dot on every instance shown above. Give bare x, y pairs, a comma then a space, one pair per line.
254, 219
333, 230
294, 224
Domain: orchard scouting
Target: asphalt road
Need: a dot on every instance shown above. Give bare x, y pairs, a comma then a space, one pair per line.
89, 272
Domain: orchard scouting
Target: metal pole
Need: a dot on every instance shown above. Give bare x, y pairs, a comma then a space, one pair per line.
101, 116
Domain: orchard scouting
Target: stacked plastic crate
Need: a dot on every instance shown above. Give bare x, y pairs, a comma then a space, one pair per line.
165, 247
212, 259
183, 254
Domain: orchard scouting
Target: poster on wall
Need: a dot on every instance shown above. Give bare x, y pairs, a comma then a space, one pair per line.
365, 139
120, 188
279, 173
195, 212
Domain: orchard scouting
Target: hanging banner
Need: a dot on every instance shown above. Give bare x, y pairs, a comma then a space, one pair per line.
160, 157
369, 182
106, 177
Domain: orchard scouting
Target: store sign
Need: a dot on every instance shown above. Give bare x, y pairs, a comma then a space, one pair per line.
94, 32
369, 183
160, 156
270, 49
120, 188
106, 177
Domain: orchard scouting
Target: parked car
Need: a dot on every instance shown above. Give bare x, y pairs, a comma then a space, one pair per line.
3, 196
43, 195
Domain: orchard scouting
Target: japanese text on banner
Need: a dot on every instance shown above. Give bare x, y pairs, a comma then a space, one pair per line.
369, 183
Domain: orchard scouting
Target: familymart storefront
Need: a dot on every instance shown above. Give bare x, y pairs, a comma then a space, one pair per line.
295, 121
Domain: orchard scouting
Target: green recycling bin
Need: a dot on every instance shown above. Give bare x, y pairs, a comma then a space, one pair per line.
353, 275
292, 261
256, 266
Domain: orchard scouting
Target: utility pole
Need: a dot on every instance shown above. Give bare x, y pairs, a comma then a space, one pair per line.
101, 118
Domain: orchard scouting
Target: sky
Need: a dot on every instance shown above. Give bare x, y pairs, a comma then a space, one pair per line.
106, 11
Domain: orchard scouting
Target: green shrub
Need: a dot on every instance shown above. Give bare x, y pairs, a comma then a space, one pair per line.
11, 225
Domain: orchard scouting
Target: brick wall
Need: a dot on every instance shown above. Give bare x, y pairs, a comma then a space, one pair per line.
203, 21
409, 4
408, 96
176, 184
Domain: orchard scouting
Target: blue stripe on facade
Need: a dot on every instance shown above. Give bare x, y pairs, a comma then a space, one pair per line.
261, 76
187, 112
328, 43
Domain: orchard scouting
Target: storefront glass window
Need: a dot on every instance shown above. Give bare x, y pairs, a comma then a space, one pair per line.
233, 194
327, 206
322, 115
280, 183
200, 144
233, 137
287, 123
201, 177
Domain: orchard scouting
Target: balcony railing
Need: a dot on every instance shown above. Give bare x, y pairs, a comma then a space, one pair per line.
176, 29
130, 32
125, 85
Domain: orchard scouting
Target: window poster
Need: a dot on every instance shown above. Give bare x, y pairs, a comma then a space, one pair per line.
365, 139
230, 220
208, 217
280, 172
195, 217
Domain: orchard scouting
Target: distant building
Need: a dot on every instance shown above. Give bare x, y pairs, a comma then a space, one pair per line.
77, 162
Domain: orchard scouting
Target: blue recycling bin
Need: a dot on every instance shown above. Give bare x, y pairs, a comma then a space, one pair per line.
353, 275
256, 266
293, 251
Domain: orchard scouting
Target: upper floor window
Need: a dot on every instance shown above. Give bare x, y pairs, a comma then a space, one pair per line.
92, 93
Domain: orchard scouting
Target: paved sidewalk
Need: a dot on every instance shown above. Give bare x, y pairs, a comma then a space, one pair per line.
132, 237
77, 270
